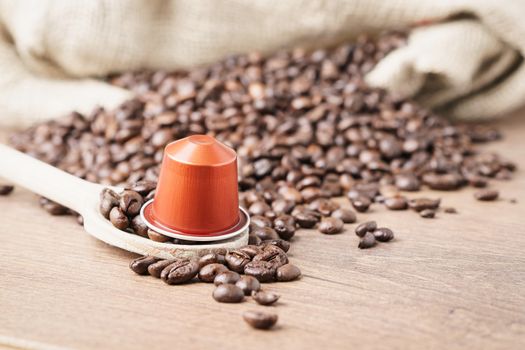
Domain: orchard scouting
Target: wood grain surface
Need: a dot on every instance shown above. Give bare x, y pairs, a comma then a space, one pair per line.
455, 282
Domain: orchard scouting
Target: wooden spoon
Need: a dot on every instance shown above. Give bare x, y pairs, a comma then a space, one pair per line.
83, 197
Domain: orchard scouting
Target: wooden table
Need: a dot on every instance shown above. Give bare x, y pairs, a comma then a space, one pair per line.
454, 282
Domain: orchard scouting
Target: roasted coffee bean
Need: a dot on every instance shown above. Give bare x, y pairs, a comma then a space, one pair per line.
227, 277
450, 210
259, 208
118, 218
406, 182
428, 213
443, 182
282, 206
396, 203
361, 204
265, 233
157, 237
305, 218
367, 241
345, 214
210, 258
143, 187
236, 260
228, 293
265, 298
331, 225
6, 190
180, 271
281, 243
264, 271
274, 254
420, 204
365, 227
254, 239
287, 272
383, 234
156, 269
486, 195
208, 272
324, 206
53, 208
140, 265
248, 284
251, 250
130, 202
284, 225
258, 221
138, 226
259, 319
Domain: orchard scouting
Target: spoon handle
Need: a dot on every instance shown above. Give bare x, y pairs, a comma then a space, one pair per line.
46, 180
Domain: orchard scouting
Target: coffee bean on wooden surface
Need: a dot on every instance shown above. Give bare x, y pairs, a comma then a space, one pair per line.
367, 241
486, 195
140, 265
281, 243
331, 225
228, 293
236, 260
273, 254
365, 227
156, 268
248, 284
208, 272
53, 208
6, 190
258, 221
264, 271
344, 214
361, 204
265, 298
420, 204
428, 213
251, 249
406, 182
259, 319
284, 225
207, 259
383, 234
265, 233
287, 272
180, 271
227, 277
396, 203
450, 210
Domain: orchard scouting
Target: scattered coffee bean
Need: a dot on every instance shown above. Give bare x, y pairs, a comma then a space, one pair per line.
486, 195
407, 182
157, 237
345, 214
227, 277
287, 272
140, 265
365, 227
273, 254
284, 225
265, 298
6, 190
248, 284
281, 243
180, 271
450, 210
208, 272
265, 233
210, 258
259, 319
367, 241
420, 204
156, 268
428, 213
228, 293
130, 202
237, 260
361, 204
331, 225
251, 250
383, 234
396, 203
264, 271
258, 221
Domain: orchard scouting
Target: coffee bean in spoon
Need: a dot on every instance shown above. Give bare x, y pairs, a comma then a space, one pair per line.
118, 218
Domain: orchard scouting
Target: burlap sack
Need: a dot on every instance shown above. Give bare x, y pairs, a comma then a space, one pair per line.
466, 61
